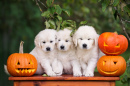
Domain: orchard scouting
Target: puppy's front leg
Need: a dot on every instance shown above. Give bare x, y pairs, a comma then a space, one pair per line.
91, 67
76, 68
84, 66
57, 67
47, 67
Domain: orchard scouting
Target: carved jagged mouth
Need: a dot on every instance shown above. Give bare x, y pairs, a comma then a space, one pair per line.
25, 70
109, 72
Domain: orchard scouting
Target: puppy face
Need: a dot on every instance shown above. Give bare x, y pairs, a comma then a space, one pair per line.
85, 42
64, 40
46, 40
85, 37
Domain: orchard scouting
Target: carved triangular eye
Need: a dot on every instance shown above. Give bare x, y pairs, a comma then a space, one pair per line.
115, 62
30, 62
118, 45
18, 63
104, 62
105, 44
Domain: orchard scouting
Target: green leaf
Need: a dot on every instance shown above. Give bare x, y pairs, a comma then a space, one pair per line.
46, 14
59, 18
83, 22
49, 2
52, 24
115, 14
44, 75
124, 79
66, 11
99, 0
58, 9
127, 9
47, 24
105, 3
116, 2
51, 10
68, 23
128, 69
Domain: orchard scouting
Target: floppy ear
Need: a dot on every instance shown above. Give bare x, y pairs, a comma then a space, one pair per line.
75, 40
37, 41
96, 40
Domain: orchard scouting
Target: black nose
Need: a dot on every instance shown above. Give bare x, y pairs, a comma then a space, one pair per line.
84, 45
62, 47
48, 48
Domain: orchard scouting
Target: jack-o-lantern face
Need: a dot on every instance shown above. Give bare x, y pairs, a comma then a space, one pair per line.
111, 65
21, 64
112, 43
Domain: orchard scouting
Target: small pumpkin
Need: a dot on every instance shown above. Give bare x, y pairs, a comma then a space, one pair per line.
21, 64
112, 44
111, 65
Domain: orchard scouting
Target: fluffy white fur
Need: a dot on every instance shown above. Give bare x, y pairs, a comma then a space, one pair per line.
45, 51
86, 42
66, 54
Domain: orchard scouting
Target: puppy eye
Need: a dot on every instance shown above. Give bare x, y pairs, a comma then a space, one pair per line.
44, 42
80, 38
59, 40
89, 38
51, 41
67, 40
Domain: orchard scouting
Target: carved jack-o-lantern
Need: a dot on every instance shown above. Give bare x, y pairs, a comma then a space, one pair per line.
112, 43
21, 64
111, 65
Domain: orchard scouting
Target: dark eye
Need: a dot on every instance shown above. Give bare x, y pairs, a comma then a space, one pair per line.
89, 38
80, 38
51, 41
59, 40
115, 62
44, 42
67, 40
18, 63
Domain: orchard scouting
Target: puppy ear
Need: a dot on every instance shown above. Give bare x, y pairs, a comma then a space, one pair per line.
75, 40
96, 40
37, 41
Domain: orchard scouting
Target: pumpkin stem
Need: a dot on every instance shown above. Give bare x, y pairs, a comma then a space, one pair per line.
116, 32
21, 47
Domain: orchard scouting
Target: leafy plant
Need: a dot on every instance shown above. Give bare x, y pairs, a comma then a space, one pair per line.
53, 18
126, 77
120, 8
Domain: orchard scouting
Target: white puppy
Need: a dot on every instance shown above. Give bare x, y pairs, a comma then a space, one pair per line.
66, 53
86, 41
45, 51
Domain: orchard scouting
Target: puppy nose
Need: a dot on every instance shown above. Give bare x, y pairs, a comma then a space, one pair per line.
62, 47
84, 45
48, 48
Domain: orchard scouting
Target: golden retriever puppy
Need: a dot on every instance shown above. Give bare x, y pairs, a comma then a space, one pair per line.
66, 53
45, 51
86, 42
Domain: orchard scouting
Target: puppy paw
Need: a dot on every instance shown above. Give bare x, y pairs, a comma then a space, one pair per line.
57, 71
51, 73
89, 74
77, 74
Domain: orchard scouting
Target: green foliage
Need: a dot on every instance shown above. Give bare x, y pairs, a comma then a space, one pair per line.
21, 20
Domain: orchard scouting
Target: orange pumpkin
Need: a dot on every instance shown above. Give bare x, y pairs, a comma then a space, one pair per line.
112, 43
111, 65
21, 64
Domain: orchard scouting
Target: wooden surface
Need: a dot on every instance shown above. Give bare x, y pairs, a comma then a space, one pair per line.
64, 80
65, 77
